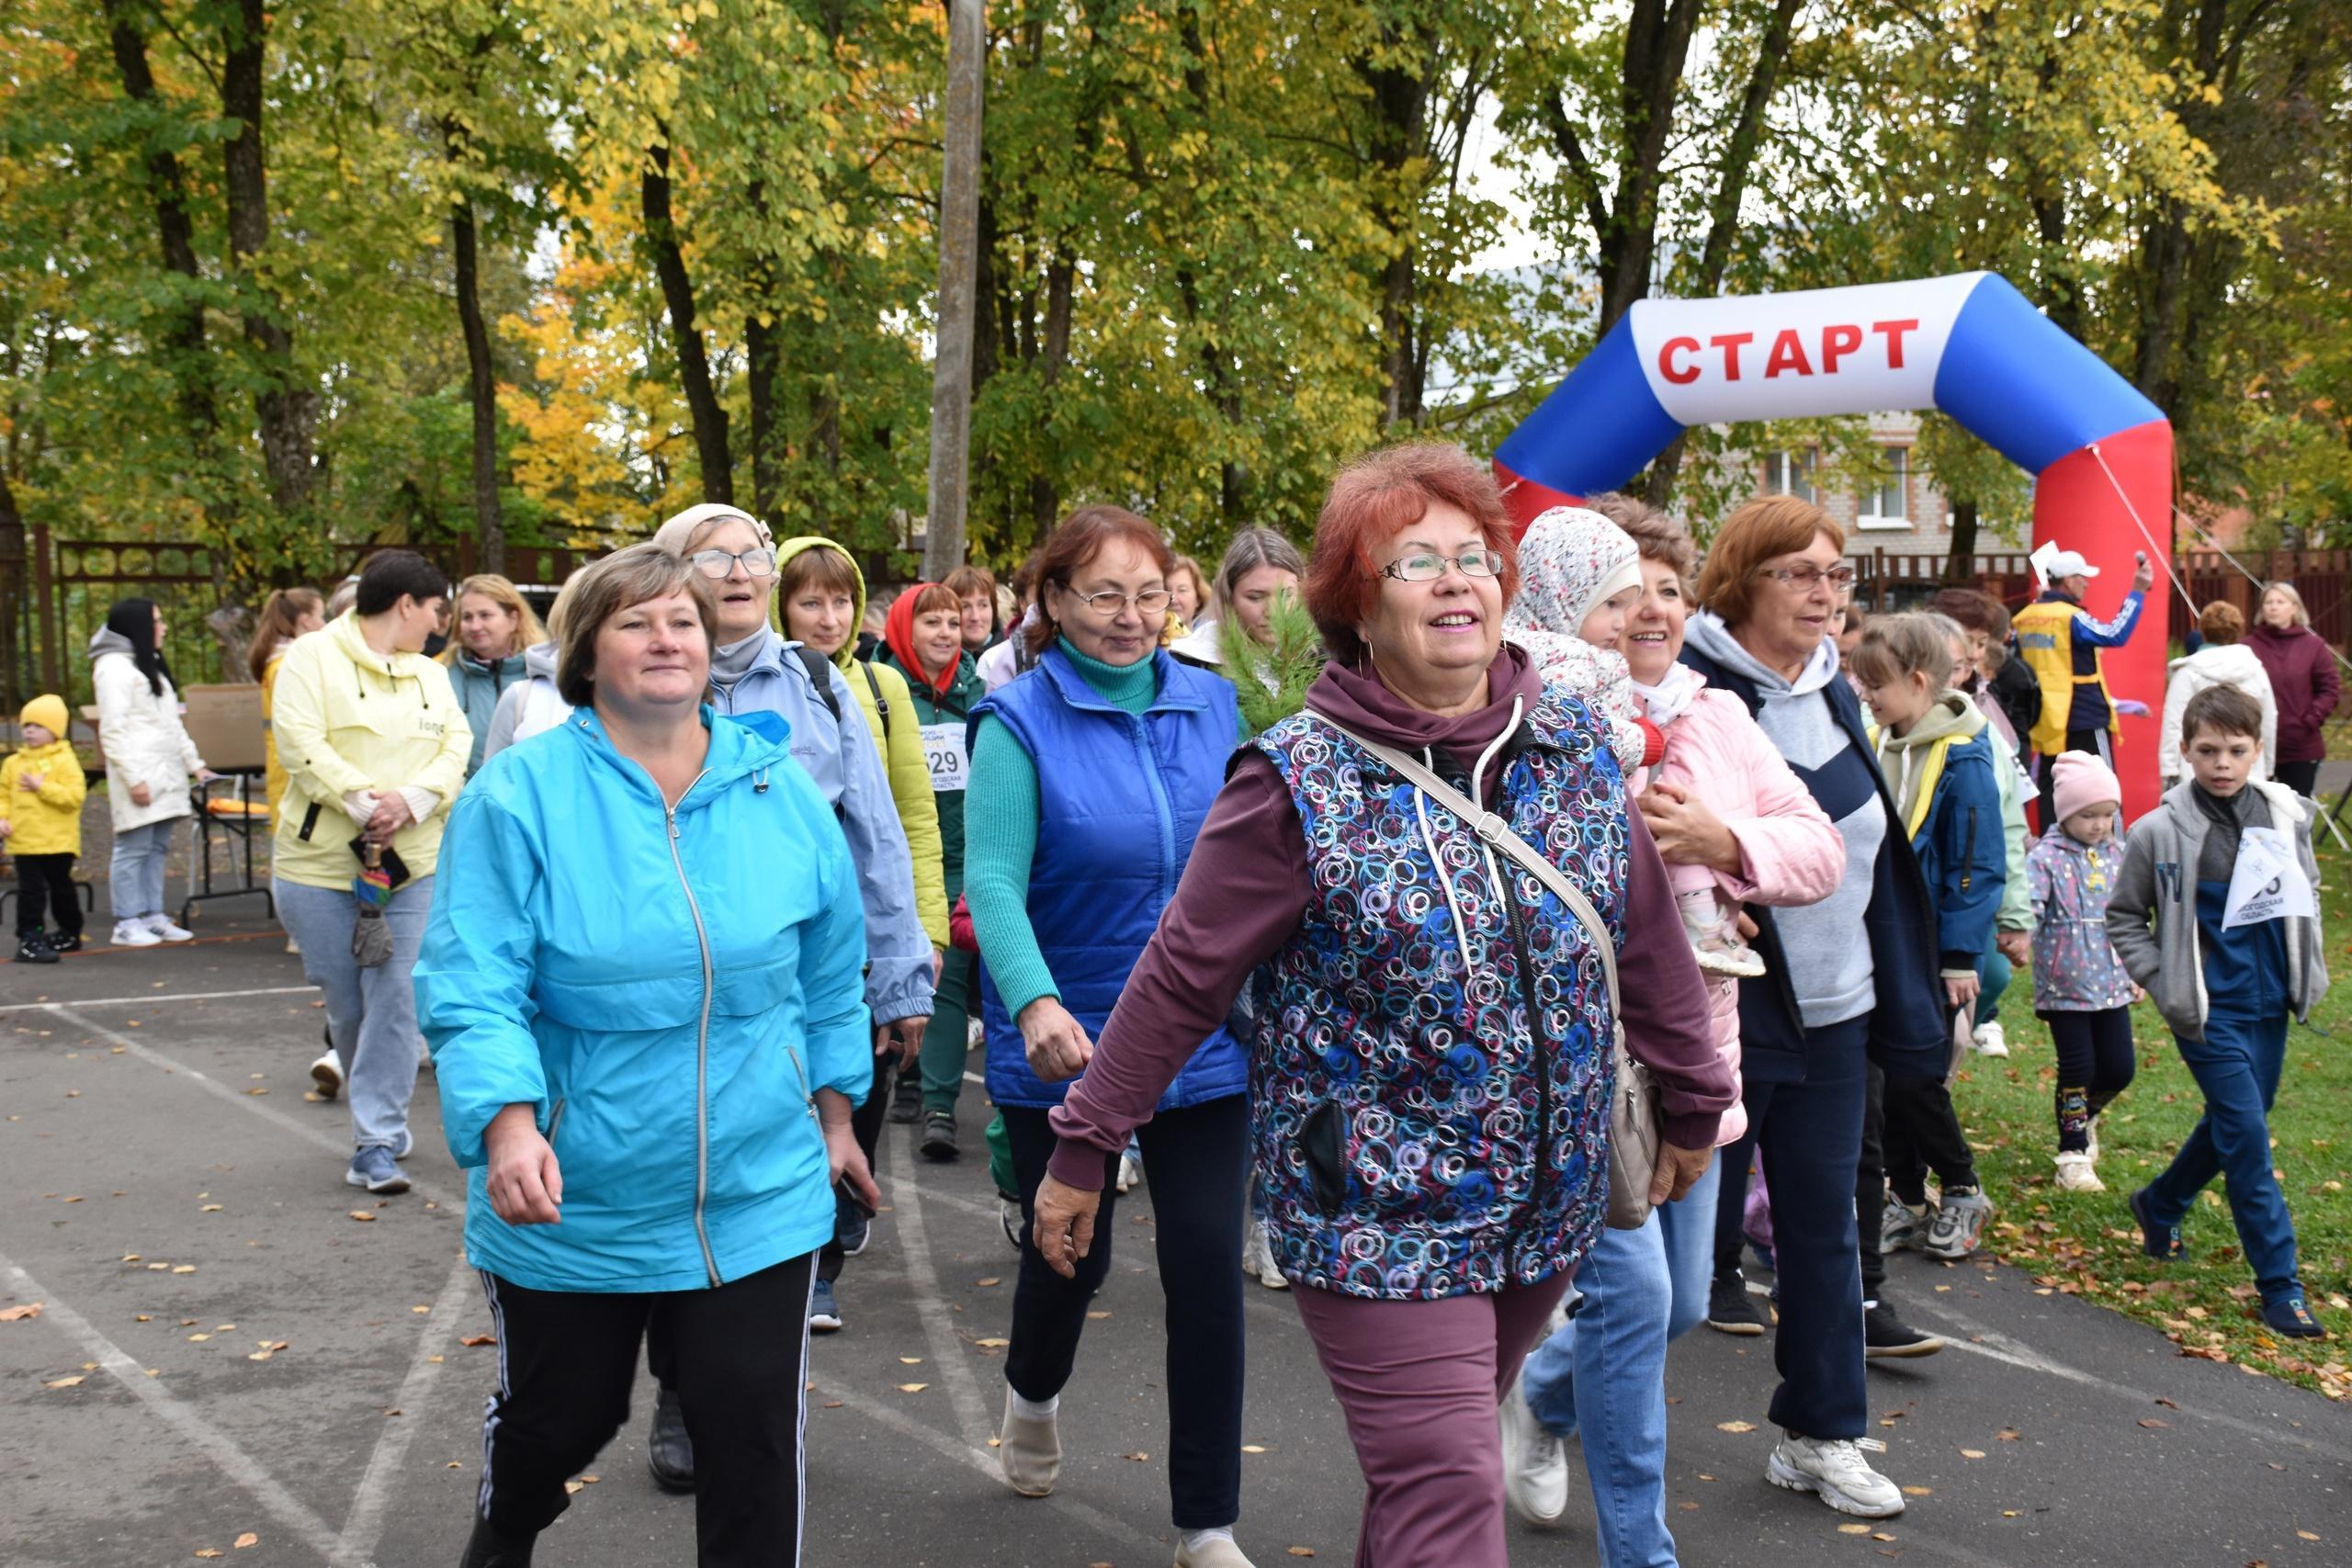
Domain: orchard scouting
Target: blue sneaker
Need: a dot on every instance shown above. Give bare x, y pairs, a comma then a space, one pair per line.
824, 1313
853, 1226
2162, 1243
406, 1146
2290, 1317
372, 1167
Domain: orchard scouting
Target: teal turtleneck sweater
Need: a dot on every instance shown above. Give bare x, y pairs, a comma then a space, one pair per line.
1001, 811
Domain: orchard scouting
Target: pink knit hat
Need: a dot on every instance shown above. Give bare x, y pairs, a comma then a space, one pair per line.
2080, 780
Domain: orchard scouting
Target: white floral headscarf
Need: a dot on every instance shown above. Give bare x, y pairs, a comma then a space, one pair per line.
1570, 561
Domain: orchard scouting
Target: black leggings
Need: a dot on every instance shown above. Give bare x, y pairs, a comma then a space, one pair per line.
2095, 1061
1196, 1160
46, 883
566, 1360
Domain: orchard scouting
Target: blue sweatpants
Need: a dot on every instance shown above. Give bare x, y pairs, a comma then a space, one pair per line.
2236, 1065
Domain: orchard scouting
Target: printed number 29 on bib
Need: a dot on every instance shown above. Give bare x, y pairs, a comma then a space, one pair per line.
943, 753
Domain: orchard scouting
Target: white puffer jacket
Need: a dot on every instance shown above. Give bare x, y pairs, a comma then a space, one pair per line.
2215, 664
141, 738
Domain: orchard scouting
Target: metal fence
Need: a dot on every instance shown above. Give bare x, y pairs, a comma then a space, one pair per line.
1885, 581
68, 585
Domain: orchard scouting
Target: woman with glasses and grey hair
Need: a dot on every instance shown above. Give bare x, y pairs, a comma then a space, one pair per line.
1091, 776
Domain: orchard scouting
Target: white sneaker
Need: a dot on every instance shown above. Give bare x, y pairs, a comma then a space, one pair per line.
2092, 1132
134, 933
1130, 1171
1258, 1256
1835, 1469
293, 948
1535, 1464
327, 1074
1989, 1040
2076, 1174
162, 926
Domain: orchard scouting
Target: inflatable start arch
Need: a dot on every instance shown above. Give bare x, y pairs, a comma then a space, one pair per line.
1970, 345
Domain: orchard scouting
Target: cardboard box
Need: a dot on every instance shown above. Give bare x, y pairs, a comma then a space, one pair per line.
225, 722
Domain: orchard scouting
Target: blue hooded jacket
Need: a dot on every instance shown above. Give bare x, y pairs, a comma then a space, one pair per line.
668, 989
838, 753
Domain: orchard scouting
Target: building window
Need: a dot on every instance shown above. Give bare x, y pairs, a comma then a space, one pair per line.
1789, 473
1885, 502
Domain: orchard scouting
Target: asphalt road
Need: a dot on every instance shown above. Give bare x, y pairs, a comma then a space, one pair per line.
254, 1359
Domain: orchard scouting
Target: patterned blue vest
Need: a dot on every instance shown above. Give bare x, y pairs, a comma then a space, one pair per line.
1120, 797
1432, 1122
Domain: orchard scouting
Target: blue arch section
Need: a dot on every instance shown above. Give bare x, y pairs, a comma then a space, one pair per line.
1599, 426
2018, 382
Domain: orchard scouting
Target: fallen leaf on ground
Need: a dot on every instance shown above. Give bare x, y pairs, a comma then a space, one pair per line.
1253, 1448
19, 1313
63, 1383
1301, 1551
2153, 1421
363, 1216
2009, 1435
1853, 1530
1918, 1491
833, 1404
991, 1344
912, 1387
1971, 1453
208, 1551
984, 1284
910, 1360
1735, 1426
571, 1486
479, 1339
1881, 1535
1096, 1316
2305, 1535
1138, 1456
210, 1209
246, 1539
183, 1268
420, 1309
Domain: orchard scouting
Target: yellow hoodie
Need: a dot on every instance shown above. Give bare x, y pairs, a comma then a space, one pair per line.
879, 687
347, 718
47, 819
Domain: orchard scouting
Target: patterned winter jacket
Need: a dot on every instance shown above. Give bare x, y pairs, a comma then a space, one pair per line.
2068, 883
1430, 1065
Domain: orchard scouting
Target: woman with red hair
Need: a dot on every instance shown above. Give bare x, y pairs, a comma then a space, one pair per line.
1425, 1017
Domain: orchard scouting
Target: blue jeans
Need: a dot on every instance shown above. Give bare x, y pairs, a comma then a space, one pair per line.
135, 879
2236, 1065
1603, 1374
371, 1013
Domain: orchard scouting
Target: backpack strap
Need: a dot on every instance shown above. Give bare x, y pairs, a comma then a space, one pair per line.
820, 675
881, 702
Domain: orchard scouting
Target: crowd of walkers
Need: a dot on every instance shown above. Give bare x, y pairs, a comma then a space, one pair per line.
1309, 890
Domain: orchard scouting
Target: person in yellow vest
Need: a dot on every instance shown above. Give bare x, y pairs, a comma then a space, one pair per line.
2060, 642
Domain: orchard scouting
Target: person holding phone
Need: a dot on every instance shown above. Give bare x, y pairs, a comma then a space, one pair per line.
374, 744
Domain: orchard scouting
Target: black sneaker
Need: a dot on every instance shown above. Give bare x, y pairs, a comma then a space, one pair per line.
853, 1226
905, 1105
66, 943
1730, 1309
2162, 1243
35, 949
1885, 1336
939, 1136
2291, 1316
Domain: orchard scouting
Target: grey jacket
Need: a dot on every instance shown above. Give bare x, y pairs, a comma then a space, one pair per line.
2152, 916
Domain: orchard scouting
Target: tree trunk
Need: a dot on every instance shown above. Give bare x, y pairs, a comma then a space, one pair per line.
1959, 564
183, 333
678, 293
1399, 116
16, 589
287, 412
948, 502
481, 382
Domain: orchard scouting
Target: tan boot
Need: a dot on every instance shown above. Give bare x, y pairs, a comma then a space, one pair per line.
1217, 1552
1030, 1452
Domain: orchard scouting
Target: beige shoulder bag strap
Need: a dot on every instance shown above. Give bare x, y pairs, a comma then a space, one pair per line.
1635, 1109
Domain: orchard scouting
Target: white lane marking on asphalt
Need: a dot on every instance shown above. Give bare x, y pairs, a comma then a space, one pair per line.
158, 997
238, 1465
293, 1124
1997, 1346
984, 1460
947, 1352
364, 1525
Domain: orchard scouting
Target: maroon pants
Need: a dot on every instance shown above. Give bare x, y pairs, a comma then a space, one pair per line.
1419, 1382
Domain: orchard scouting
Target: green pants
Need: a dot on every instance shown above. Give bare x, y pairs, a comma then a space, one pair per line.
944, 1043
1007, 1183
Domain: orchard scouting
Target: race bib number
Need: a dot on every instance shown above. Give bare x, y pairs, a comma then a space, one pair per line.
942, 752
2268, 883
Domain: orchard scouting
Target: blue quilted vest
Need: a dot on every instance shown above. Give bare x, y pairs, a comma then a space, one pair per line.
1430, 1101
1121, 798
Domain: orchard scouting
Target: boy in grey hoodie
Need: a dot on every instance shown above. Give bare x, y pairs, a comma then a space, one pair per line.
2226, 963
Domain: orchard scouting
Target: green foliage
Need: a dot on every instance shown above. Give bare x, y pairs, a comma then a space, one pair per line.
1269, 682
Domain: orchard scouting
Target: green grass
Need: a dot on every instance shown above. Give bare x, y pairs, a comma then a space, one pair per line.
2087, 1244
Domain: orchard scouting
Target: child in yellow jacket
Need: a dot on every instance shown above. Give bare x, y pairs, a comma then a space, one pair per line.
41, 816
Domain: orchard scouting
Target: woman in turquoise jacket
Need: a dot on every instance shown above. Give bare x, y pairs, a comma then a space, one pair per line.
643, 988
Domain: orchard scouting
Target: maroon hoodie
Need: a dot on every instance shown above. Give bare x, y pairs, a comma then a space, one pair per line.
2302, 667
1245, 890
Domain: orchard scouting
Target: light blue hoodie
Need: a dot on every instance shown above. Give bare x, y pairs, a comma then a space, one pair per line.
839, 755
667, 988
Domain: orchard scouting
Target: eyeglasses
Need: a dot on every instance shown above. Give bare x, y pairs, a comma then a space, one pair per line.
1475, 561
1805, 579
1152, 601
760, 561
